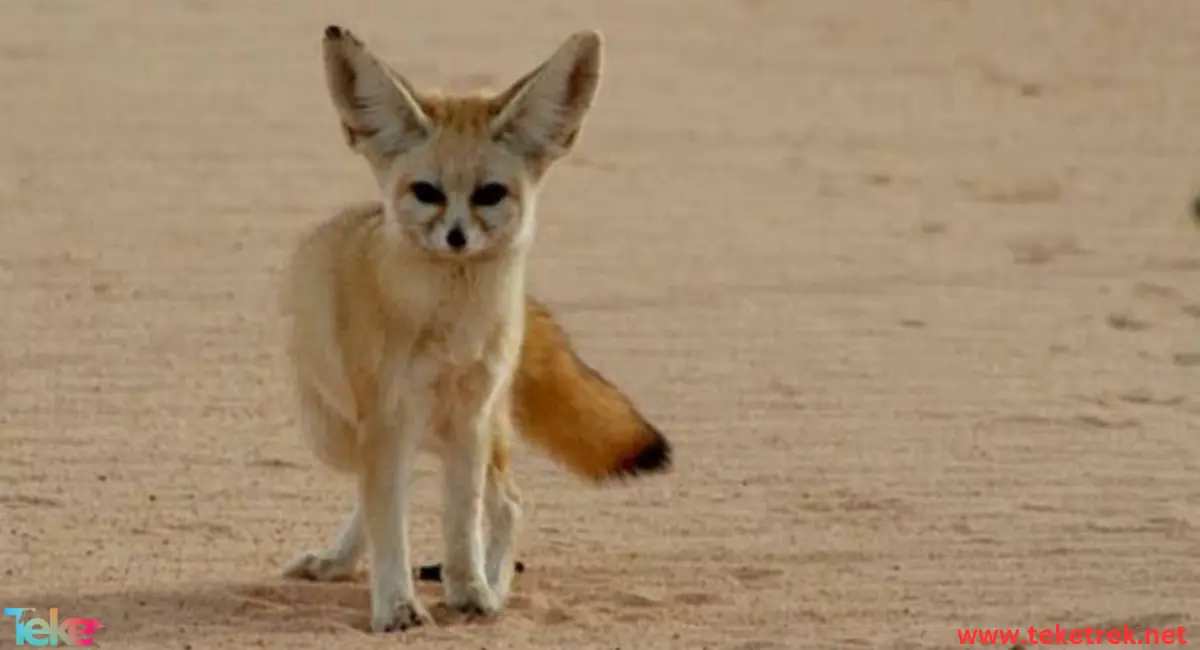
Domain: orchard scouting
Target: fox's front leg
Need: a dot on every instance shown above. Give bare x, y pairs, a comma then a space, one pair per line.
467, 454
387, 461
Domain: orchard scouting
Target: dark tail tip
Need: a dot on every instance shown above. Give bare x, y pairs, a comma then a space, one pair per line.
653, 458
433, 572
333, 32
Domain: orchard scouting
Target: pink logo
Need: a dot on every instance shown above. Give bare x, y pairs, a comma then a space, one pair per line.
40, 632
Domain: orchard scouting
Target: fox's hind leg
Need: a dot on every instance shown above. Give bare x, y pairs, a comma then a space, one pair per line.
333, 440
336, 563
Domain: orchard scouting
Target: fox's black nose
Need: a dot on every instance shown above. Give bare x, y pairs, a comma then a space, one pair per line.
455, 239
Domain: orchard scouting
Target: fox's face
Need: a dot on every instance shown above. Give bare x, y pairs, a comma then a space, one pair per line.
459, 174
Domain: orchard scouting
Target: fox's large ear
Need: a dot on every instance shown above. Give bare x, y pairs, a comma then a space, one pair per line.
378, 108
542, 114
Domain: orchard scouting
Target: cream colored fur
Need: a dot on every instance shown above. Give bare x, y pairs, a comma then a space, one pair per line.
403, 341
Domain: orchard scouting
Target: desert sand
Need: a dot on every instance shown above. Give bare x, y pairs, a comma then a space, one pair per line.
912, 287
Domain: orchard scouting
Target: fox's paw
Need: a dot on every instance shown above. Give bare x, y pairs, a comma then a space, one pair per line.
405, 614
317, 566
474, 598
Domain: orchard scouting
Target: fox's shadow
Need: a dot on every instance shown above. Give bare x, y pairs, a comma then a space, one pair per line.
270, 606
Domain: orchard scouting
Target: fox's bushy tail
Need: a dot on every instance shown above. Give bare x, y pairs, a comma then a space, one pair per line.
571, 412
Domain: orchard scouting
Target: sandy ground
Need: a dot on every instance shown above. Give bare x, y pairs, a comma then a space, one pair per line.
911, 285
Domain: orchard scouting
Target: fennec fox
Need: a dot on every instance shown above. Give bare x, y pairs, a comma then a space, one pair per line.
411, 328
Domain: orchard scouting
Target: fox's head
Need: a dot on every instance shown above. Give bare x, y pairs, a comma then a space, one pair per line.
459, 174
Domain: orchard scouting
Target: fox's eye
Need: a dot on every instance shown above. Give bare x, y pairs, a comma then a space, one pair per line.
488, 195
427, 193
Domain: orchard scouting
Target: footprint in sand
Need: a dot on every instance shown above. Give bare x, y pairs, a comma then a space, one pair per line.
18, 500
556, 616
759, 645
1187, 359
1043, 250
1154, 290
1127, 323
635, 599
696, 598
1147, 398
756, 574
346, 596
537, 606
1020, 192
